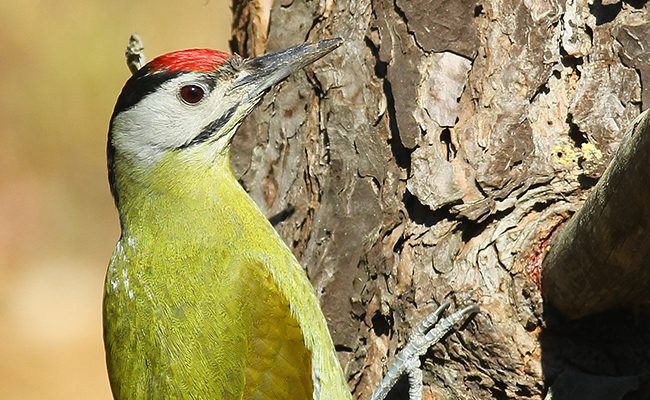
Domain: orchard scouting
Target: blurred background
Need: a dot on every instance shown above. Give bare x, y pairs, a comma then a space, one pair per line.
61, 69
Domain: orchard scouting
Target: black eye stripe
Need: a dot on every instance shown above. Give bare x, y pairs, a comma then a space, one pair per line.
143, 83
139, 86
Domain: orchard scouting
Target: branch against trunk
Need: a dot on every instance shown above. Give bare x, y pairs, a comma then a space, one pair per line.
599, 259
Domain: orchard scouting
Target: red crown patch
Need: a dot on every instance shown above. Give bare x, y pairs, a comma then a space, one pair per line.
196, 60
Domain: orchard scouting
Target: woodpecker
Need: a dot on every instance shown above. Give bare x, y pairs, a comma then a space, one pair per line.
202, 299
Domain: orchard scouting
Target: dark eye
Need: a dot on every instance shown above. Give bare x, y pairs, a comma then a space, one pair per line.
191, 94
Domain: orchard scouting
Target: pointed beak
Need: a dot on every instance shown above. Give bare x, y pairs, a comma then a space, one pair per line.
269, 69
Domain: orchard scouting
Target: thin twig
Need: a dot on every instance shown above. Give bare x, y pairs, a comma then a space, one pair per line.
135, 58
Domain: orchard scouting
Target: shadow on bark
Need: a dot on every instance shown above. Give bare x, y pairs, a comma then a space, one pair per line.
603, 356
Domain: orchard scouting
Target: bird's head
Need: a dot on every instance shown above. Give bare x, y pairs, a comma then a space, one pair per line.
189, 104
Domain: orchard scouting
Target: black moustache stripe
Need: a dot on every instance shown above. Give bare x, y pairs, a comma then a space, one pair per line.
211, 129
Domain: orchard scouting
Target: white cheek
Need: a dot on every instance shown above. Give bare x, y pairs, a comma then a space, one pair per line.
153, 126
161, 122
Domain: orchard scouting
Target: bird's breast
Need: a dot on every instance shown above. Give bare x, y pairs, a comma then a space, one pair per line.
213, 322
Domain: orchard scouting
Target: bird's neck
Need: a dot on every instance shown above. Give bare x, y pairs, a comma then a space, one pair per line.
193, 199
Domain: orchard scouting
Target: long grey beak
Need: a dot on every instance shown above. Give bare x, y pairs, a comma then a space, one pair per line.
269, 69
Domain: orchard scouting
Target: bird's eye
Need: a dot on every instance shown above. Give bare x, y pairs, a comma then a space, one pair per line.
191, 94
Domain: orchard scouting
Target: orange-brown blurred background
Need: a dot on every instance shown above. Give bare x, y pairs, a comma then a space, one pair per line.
61, 69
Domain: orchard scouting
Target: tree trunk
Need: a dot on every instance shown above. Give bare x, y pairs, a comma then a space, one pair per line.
432, 157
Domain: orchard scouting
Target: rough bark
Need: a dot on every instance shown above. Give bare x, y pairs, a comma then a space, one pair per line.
250, 26
431, 157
